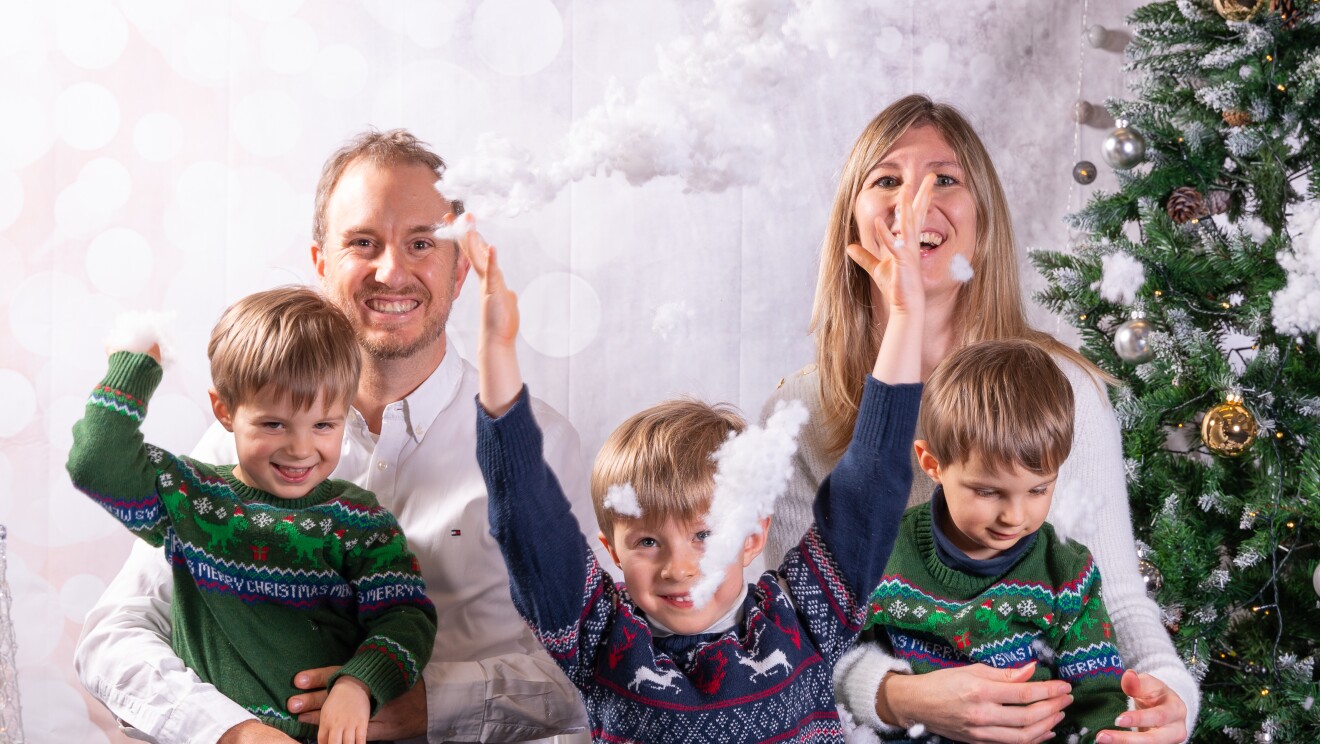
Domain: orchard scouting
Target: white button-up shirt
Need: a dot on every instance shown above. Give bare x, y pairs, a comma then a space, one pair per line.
488, 679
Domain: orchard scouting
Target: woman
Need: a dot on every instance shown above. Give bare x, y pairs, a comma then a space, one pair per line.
967, 220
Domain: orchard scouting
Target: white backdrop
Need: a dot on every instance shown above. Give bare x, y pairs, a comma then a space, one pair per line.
161, 155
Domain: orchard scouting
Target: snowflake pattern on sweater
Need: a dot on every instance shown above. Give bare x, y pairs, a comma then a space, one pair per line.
264, 587
766, 679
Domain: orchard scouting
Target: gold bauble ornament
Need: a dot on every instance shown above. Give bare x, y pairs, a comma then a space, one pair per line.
1229, 428
1239, 10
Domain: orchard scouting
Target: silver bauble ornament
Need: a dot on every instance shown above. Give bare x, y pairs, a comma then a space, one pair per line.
1082, 111
1125, 147
1151, 575
1315, 579
1084, 172
1132, 341
1097, 36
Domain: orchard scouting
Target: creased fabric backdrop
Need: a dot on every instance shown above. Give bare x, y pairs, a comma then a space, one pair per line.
162, 155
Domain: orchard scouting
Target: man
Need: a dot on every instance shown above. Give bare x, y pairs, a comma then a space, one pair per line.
411, 440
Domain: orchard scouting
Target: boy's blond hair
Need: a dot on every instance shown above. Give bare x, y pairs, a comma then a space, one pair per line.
1004, 402
290, 338
664, 453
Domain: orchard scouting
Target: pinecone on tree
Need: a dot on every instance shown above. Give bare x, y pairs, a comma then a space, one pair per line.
1218, 201
1287, 10
1236, 118
1186, 204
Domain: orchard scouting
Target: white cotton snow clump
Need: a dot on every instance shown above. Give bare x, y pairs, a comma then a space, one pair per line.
698, 116
672, 320
751, 473
960, 269
1123, 276
1072, 514
455, 230
1297, 305
139, 330
621, 498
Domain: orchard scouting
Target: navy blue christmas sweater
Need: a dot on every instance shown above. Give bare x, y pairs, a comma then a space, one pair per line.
766, 679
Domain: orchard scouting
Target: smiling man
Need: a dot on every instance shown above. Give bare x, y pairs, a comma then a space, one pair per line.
411, 439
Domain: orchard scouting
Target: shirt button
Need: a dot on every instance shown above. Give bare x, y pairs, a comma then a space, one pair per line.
382, 465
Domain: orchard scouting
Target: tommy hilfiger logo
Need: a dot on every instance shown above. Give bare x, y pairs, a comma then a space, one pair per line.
456, 533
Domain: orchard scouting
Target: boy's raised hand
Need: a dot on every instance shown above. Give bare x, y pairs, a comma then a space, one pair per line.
895, 266
895, 263
345, 713
497, 357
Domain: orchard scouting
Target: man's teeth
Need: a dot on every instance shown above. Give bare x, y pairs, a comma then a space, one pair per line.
932, 239
399, 306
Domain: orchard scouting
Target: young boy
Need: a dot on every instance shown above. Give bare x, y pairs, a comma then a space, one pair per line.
978, 576
276, 568
755, 663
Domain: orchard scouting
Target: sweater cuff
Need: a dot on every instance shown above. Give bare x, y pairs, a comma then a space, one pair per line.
375, 668
133, 374
514, 438
857, 679
886, 409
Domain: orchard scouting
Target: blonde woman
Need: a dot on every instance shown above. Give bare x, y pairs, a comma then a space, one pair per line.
967, 221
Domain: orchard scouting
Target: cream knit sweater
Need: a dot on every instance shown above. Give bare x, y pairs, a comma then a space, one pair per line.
1103, 522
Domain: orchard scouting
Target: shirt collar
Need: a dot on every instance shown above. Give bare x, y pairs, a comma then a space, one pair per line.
422, 406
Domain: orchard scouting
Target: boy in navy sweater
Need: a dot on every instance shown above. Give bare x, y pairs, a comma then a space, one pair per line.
755, 663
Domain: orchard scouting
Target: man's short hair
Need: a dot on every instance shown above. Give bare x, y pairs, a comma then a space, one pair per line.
664, 453
393, 147
289, 338
1005, 403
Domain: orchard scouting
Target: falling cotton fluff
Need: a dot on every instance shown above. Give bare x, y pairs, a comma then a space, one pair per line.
960, 269
621, 498
751, 473
1123, 276
672, 321
139, 331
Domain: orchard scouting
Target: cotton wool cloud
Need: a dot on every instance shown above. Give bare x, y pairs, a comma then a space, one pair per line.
694, 118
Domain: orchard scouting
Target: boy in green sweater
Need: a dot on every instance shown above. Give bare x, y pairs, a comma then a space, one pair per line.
277, 568
977, 575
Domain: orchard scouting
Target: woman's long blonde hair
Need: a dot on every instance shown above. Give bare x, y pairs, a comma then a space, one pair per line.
847, 340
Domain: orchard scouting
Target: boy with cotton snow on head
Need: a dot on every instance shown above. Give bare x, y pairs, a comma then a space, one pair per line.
685, 650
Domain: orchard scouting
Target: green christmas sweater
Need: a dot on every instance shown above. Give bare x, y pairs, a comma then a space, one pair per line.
1047, 608
264, 587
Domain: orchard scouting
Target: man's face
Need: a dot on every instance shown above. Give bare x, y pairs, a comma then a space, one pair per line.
381, 262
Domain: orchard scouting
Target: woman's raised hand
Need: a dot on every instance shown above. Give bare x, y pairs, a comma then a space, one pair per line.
894, 261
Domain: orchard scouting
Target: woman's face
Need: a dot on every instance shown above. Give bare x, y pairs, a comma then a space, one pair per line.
950, 225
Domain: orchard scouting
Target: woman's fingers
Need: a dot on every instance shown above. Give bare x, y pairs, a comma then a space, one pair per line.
863, 257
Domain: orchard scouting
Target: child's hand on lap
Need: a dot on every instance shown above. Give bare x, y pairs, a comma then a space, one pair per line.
345, 712
497, 357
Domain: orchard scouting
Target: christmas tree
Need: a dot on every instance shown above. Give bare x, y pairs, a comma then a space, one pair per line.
1197, 286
